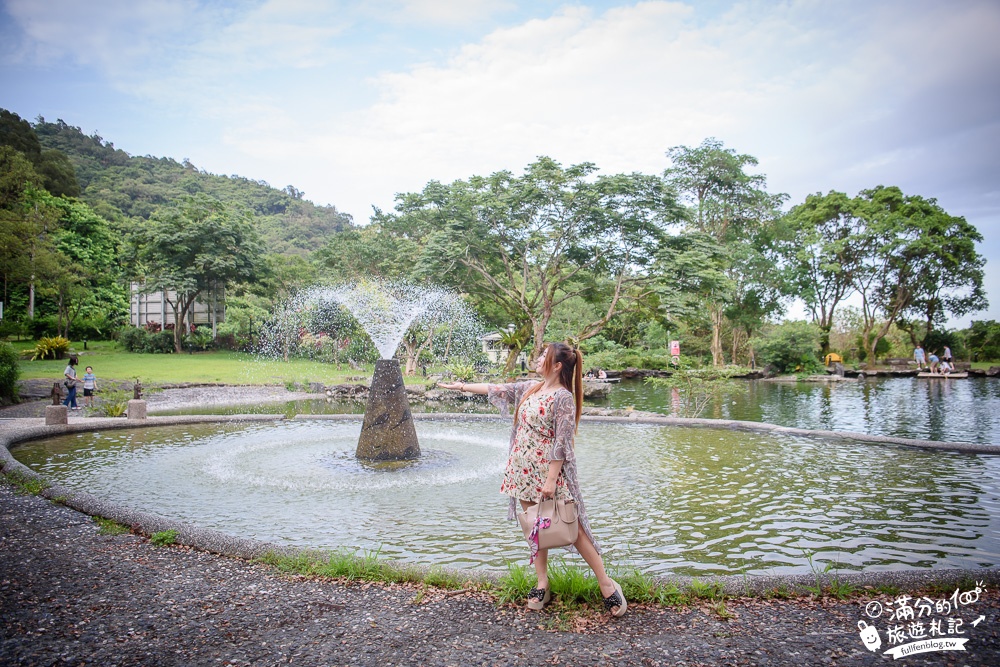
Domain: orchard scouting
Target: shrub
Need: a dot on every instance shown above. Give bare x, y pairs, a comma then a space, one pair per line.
200, 338
615, 356
114, 403
133, 339
161, 343
936, 340
881, 348
40, 327
55, 347
462, 371
13, 329
9, 373
792, 346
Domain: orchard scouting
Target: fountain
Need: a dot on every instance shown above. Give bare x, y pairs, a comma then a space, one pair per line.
388, 312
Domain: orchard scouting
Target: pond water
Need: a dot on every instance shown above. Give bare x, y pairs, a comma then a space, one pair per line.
665, 499
950, 410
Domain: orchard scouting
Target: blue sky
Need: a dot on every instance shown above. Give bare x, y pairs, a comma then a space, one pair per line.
353, 102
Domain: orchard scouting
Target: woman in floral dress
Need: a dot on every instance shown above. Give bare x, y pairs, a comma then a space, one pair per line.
542, 461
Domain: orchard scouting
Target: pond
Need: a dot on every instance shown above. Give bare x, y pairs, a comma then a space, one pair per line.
950, 410
665, 499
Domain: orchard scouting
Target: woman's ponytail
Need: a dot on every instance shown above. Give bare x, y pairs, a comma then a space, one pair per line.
578, 386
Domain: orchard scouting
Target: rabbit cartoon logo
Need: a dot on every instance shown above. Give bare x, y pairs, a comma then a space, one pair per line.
870, 636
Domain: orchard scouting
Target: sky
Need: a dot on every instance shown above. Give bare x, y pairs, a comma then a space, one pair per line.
354, 102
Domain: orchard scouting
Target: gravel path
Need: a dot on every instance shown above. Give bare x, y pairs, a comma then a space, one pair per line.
71, 596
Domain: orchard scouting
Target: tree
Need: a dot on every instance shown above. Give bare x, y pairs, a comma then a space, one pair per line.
728, 204
27, 219
694, 266
813, 243
530, 243
982, 340
54, 168
912, 256
791, 346
193, 248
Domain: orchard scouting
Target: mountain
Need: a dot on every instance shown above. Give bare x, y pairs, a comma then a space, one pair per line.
118, 185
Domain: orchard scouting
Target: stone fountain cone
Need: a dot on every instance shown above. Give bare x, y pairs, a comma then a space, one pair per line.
387, 433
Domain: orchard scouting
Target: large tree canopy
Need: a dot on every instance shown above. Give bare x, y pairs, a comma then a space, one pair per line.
733, 207
530, 243
199, 246
814, 241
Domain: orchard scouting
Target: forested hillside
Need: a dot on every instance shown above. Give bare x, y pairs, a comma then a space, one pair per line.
118, 185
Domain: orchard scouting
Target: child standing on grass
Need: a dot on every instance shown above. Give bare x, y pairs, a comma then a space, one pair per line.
89, 387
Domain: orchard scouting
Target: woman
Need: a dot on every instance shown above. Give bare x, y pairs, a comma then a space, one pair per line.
70, 384
542, 461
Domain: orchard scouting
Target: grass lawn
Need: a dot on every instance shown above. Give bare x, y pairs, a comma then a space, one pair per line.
112, 363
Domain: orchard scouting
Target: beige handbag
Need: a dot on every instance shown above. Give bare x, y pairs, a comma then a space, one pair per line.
550, 523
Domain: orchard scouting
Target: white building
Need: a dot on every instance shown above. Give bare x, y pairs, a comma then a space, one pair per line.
152, 307
496, 351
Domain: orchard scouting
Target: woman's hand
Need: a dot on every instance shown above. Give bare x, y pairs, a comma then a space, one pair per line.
455, 386
549, 489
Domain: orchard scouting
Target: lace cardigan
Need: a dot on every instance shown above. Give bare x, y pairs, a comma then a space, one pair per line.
507, 396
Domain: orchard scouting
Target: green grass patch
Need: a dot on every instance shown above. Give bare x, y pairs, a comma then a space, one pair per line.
109, 526
706, 590
575, 586
113, 363
345, 564
27, 485
164, 538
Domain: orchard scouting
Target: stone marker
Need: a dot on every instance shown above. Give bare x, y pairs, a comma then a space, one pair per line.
387, 433
56, 414
137, 409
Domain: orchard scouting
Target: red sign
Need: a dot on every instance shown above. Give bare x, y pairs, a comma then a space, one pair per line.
675, 348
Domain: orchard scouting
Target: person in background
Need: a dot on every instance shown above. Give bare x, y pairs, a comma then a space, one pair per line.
918, 356
70, 383
89, 387
934, 361
946, 356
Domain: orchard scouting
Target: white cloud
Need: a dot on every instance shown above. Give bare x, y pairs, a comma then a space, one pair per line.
825, 100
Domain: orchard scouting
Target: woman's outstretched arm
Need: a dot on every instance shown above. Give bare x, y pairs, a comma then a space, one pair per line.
482, 388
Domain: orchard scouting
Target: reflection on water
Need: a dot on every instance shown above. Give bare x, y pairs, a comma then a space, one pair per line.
954, 410
686, 501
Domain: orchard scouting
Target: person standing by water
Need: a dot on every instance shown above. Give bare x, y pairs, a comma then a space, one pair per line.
89, 387
542, 458
918, 356
70, 383
933, 365
946, 356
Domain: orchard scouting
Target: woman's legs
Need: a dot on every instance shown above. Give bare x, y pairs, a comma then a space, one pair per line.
596, 563
541, 558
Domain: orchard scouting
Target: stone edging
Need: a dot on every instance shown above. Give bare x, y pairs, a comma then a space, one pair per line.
231, 546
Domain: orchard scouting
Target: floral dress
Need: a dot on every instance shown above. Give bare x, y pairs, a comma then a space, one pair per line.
543, 431
528, 467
